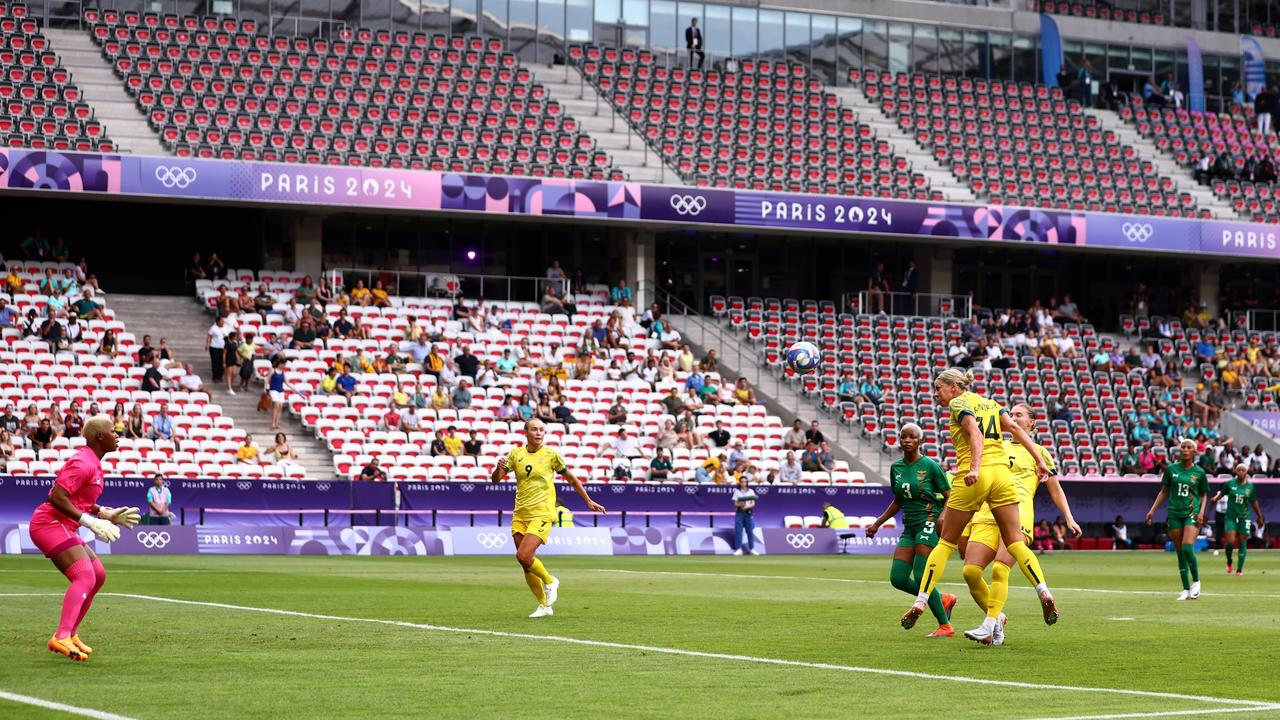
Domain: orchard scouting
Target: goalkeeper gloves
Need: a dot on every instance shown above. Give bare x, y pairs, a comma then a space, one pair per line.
126, 517
105, 531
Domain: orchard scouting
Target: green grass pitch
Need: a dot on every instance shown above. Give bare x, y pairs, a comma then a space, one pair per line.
667, 637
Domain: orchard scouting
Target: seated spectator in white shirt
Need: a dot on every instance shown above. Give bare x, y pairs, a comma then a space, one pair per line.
190, 381
789, 471
624, 446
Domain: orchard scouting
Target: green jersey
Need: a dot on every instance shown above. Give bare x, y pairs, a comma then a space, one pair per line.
919, 488
1240, 496
1185, 486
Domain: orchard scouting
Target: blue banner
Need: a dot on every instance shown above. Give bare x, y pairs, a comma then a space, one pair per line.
1195, 76
1255, 65
1050, 49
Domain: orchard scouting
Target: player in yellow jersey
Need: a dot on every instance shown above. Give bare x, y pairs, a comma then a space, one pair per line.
983, 534
536, 466
982, 475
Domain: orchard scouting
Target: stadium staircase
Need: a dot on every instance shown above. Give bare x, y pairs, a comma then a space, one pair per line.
940, 178
183, 323
1166, 166
598, 118
737, 357
113, 107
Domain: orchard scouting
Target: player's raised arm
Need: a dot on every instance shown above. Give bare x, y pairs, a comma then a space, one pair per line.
499, 470
573, 480
969, 424
1059, 498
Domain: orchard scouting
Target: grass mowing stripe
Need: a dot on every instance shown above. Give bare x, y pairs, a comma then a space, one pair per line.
61, 707
1249, 704
886, 582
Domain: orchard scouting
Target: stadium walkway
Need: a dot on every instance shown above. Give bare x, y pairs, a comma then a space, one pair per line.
183, 322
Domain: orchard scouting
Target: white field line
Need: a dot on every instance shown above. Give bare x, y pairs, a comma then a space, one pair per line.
1244, 704
1055, 588
1163, 713
60, 707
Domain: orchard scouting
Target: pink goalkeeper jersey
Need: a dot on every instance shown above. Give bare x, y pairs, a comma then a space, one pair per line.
81, 477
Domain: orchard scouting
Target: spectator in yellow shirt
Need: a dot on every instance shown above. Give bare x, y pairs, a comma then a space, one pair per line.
440, 399
360, 294
329, 383
14, 282
452, 443
380, 296
248, 452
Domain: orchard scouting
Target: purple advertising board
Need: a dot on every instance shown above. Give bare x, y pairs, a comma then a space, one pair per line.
624, 202
1267, 422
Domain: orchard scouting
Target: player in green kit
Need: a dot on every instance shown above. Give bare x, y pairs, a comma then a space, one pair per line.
1186, 486
1240, 495
920, 489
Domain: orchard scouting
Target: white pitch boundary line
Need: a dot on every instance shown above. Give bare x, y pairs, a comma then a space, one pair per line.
61, 707
886, 582
1246, 704
1165, 713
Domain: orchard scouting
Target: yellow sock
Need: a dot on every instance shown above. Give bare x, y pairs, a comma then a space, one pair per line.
538, 569
535, 584
933, 568
977, 585
999, 589
1029, 565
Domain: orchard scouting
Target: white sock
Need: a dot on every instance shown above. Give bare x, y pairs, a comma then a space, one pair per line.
989, 623
1041, 588
922, 598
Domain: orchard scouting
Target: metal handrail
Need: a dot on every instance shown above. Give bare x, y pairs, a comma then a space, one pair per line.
898, 303
509, 288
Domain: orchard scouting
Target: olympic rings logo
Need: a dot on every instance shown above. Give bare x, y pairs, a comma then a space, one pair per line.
153, 540
1137, 232
244, 485
322, 487
801, 541
175, 177
491, 541
466, 487
688, 204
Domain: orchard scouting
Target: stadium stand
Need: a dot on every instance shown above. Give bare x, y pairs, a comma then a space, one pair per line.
766, 125
217, 87
354, 428
42, 107
1024, 144
46, 376
1187, 136
1101, 11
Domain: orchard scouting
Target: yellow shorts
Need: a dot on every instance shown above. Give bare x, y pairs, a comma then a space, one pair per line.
983, 533
995, 487
539, 525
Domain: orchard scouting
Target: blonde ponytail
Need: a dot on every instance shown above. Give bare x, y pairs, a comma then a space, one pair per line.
956, 376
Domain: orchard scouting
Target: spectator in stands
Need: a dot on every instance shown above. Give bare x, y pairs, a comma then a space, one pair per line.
8, 315
551, 302
452, 443
693, 43
440, 399
305, 293
85, 308
472, 446
686, 436
666, 370
622, 446
719, 437
1043, 537
247, 453
1147, 460
508, 410
433, 363
231, 361
460, 310
215, 269
107, 345
814, 433
878, 290
685, 361
195, 270
55, 333
43, 435
468, 364
667, 437
544, 412
737, 458
710, 363
9, 420
869, 389
743, 394
1084, 80
711, 471
282, 453
1119, 532
264, 301
1151, 95
153, 379
379, 295
14, 282
660, 467
1262, 106
809, 458
1223, 168
620, 294
342, 326
563, 415
617, 414
1266, 171
437, 447
461, 395
215, 344
135, 426
794, 439
1203, 169
7, 446
790, 470
826, 461
1059, 534
161, 424
73, 422
1237, 97
372, 472
246, 354
1101, 360
346, 383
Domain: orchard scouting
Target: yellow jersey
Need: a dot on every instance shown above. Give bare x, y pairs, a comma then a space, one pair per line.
1025, 481
987, 414
535, 479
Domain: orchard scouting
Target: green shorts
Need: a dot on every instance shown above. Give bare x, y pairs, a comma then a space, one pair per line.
926, 534
1240, 526
1177, 522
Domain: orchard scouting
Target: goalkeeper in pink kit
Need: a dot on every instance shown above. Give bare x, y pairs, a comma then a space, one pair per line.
73, 502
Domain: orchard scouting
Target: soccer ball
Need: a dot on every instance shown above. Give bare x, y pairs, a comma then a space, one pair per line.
803, 358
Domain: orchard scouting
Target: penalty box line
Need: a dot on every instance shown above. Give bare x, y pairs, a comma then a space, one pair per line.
1244, 704
60, 707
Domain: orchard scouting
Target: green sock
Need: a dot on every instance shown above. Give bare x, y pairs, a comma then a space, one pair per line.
935, 600
1244, 548
1182, 568
1192, 564
1229, 549
900, 577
